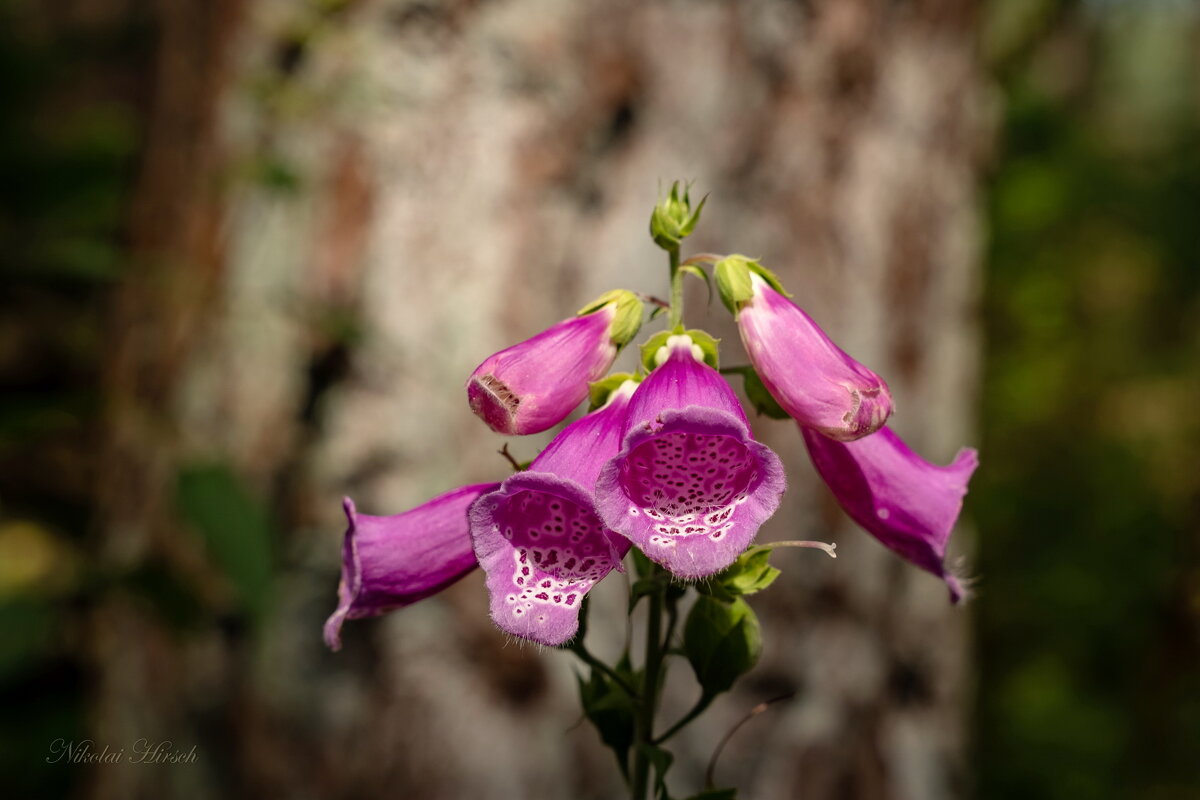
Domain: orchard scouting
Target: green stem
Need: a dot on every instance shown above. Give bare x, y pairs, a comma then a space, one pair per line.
644, 728
704, 702
586, 657
675, 314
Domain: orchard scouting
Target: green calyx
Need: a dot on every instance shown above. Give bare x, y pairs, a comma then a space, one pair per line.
734, 283
707, 346
673, 219
757, 393
627, 320
599, 391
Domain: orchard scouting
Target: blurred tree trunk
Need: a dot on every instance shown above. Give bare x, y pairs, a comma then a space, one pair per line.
343, 207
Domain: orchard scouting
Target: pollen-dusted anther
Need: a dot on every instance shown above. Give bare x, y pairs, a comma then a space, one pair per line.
690, 486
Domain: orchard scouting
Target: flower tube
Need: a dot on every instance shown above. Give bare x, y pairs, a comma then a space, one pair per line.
391, 562
535, 384
814, 381
690, 486
902, 500
538, 537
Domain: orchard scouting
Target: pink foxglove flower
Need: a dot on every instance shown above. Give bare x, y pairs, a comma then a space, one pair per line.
690, 486
901, 499
390, 562
538, 537
534, 385
816, 383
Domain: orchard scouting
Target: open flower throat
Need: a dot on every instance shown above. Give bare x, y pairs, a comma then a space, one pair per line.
555, 552
688, 483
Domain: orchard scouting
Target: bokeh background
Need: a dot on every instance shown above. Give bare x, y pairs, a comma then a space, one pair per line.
252, 249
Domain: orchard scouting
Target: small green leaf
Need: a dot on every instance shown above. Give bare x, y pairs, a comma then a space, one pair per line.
722, 640
660, 760
690, 225
760, 397
750, 573
611, 711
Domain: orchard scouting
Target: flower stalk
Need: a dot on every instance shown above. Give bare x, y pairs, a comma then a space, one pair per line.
675, 314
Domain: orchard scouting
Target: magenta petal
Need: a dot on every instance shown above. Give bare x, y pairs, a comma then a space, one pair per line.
534, 385
390, 562
901, 499
808, 375
690, 486
538, 537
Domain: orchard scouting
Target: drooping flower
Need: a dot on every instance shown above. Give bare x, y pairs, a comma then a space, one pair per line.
538, 537
690, 486
534, 385
814, 381
394, 561
901, 499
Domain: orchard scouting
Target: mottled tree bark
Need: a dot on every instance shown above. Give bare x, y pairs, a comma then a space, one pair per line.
467, 174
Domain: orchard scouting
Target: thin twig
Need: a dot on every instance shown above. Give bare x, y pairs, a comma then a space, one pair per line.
754, 712
516, 465
696, 710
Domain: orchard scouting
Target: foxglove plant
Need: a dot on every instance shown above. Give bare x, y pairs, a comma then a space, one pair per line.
663, 472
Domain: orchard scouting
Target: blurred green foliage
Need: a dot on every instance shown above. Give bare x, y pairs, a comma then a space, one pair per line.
235, 528
1088, 505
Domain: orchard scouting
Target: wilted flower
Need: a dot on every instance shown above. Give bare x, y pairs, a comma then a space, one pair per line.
390, 562
690, 486
812, 379
902, 500
534, 385
538, 537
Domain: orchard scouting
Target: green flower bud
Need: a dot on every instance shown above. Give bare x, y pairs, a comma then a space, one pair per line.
673, 219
